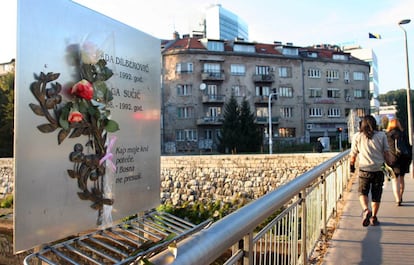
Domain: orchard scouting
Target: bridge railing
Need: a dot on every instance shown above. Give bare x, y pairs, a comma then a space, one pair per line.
282, 227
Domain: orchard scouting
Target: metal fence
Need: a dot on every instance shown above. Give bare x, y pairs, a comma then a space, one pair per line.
281, 227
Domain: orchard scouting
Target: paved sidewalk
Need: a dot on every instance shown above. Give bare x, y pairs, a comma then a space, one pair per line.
390, 243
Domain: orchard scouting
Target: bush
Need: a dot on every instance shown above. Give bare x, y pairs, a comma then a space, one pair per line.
7, 202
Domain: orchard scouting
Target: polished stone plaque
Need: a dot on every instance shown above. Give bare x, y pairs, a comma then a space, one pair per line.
87, 121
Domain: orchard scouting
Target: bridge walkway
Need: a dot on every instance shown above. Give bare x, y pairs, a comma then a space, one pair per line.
390, 243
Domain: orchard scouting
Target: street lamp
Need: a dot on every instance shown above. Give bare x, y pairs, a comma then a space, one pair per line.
409, 111
270, 121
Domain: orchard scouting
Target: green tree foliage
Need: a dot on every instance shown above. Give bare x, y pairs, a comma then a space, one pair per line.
250, 136
6, 114
239, 133
230, 130
398, 98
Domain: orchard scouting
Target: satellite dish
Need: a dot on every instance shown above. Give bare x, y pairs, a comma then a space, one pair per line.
202, 86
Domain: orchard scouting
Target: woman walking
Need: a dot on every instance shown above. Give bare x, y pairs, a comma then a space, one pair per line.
401, 150
371, 148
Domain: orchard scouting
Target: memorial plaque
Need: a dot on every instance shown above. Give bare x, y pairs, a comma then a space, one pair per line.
87, 121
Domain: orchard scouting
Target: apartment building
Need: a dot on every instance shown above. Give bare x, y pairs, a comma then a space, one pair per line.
316, 89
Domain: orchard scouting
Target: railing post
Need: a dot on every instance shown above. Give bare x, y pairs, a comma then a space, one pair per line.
324, 205
248, 249
304, 231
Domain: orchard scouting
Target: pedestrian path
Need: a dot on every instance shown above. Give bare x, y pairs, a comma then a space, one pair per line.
390, 243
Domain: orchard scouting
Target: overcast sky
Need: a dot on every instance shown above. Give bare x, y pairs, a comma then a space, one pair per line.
301, 22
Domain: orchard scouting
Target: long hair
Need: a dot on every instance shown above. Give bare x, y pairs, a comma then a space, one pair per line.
394, 124
369, 126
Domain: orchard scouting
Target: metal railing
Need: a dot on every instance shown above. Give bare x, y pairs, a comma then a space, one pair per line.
299, 213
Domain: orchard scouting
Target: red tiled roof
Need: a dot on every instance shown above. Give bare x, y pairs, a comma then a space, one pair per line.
266, 48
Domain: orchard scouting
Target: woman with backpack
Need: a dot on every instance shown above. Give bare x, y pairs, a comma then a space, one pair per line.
401, 150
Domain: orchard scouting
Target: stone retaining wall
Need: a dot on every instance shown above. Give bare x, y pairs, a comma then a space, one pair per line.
230, 177
6, 176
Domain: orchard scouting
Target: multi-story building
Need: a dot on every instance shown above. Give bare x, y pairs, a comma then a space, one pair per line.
369, 56
316, 88
222, 24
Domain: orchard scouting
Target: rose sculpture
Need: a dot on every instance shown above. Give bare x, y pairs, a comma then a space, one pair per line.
84, 114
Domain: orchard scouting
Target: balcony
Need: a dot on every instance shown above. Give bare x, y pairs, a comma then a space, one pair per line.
261, 99
212, 76
214, 98
216, 120
269, 78
265, 120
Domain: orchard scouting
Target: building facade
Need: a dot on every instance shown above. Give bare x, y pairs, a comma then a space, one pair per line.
369, 56
222, 24
316, 89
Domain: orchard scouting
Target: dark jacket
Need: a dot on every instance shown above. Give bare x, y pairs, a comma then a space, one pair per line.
401, 165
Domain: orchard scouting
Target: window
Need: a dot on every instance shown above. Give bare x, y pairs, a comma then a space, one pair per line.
215, 46
262, 70
184, 68
185, 112
244, 48
360, 76
340, 57
334, 93
314, 73
262, 112
237, 90
184, 90
211, 68
286, 112
332, 74
346, 77
334, 112
359, 93
315, 92
290, 51
238, 69
262, 91
360, 112
285, 71
285, 92
287, 132
212, 90
214, 112
186, 135
315, 112
208, 134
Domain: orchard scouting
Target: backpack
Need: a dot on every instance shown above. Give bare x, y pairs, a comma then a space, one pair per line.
402, 147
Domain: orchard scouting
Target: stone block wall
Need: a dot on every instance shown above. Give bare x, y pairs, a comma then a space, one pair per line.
6, 176
230, 177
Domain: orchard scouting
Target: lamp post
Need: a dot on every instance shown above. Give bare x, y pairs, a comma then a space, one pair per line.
270, 121
409, 111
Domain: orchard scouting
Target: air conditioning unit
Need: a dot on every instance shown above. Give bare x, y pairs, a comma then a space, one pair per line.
346, 81
348, 99
309, 126
329, 80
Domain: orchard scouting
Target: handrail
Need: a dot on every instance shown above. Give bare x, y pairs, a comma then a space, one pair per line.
207, 245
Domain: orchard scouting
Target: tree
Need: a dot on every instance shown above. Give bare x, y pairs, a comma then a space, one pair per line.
398, 98
239, 133
6, 114
230, 130
250, 136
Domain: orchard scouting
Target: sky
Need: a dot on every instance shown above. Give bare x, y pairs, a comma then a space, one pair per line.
301, 22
